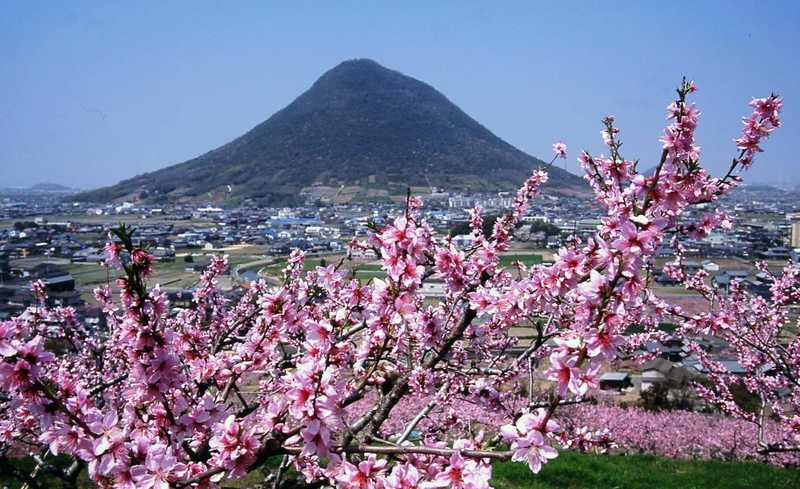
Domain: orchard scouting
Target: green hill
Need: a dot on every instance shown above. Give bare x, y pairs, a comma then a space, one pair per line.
359, 127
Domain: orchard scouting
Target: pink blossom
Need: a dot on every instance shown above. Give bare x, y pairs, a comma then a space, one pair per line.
159, 470
560, 149
112, 252
316, 438
366, 475
565, 372
404, 476
463, 474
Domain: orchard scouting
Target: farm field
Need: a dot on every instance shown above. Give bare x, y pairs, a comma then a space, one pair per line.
167, 274
368, 270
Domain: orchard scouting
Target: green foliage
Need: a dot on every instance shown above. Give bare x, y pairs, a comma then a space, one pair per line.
745, 399
661, 396
527, 260
545, 227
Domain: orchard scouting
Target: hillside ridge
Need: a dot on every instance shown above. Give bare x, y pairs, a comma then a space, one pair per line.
361, 131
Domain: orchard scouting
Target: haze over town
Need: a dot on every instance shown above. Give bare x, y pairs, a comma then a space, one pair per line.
103, 92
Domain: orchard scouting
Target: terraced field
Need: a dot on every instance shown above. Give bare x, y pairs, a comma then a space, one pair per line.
369, 270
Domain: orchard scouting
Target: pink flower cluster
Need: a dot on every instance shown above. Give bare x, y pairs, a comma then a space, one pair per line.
346, 380
527, 439
764, 119
677, 434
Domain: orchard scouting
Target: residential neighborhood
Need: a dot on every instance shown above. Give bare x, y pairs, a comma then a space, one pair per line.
46, 237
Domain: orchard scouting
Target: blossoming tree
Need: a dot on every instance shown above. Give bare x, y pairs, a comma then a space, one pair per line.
312, 375
762, 333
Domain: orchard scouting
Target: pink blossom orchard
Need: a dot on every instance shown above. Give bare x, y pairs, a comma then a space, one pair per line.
674, 434
311, 372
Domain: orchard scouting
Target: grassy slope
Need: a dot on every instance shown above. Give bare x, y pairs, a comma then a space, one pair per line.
527, 259
579, 471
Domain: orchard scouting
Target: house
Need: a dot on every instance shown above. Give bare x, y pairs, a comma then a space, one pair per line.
732, 366
88, 255
462, 241
691, 267
163, 254
776, 253
662, 370
761, 286
669, 350
181, 298
60, 283
70, 298
722, 280
54, 277
5, 267
652, 377
615, 381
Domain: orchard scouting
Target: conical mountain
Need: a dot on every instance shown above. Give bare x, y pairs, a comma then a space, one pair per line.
361, 130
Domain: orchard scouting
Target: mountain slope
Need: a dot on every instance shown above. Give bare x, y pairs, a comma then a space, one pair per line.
359, 125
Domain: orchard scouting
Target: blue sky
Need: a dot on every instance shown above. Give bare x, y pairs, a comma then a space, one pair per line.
93, 92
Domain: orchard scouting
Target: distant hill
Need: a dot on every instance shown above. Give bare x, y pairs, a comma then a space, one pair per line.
361, 131
51, 187
40, 188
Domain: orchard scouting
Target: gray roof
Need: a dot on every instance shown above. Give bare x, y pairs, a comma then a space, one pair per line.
58, 280
612, 376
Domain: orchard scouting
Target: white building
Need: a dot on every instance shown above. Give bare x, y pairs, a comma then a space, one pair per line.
795, 232
463, 240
